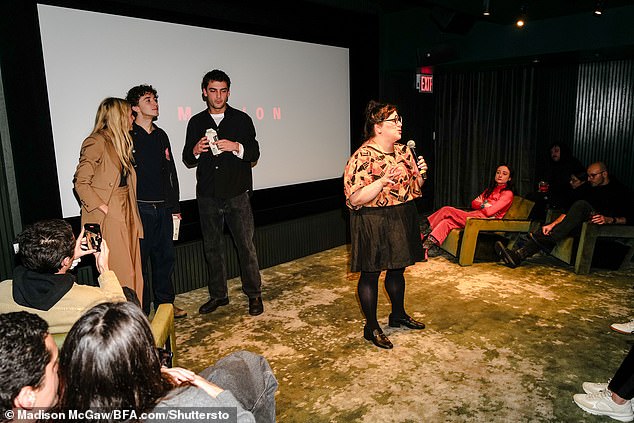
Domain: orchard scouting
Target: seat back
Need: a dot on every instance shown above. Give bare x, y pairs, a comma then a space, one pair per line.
520, 208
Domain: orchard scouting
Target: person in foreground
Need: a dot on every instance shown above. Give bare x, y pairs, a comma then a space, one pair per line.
105, 182
611, 399
607, 203
381, 180
221, 144
42, 283
108, 362
493, 203
28, 366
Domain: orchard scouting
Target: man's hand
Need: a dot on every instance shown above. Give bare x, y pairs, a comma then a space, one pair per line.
201, 146
81, 246
599, 219
546, 229
226, 145
101, 257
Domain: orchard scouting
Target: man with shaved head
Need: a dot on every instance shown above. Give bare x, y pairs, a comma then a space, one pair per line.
607, 203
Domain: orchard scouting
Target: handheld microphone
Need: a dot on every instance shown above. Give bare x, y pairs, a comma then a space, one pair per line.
411, 144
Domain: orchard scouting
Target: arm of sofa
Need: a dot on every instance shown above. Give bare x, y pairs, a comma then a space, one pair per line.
163, 329
589, 234
474, 226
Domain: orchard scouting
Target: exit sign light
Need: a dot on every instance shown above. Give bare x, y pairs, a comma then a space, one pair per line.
425, 83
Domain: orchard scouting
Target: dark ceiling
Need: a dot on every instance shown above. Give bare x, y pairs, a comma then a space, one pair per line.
502, 11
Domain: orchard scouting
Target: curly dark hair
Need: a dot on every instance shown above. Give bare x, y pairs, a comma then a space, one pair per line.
376, 112
23, 354
109, 361
215, 75
45, 244
135, 93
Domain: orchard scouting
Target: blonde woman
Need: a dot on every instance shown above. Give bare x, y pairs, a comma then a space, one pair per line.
105, 182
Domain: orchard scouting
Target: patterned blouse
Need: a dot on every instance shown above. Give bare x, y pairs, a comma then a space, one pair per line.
369, 163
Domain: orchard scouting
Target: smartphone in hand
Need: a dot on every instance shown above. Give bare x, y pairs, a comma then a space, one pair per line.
92, 232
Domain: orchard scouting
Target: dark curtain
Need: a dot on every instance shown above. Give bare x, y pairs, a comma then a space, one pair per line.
604, 126
483, 118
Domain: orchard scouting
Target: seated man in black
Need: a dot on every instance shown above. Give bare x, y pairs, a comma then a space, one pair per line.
607, 203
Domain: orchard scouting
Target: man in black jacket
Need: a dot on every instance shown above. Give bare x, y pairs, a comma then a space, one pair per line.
607, 203
221, 143
157, 197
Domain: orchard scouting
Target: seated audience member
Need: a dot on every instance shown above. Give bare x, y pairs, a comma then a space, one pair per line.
28, 366
580, 187
493, 203
556, 174
42, 283
611, 399
607, 203
109, 362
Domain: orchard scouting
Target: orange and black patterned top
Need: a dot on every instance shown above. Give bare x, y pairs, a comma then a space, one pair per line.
369, 163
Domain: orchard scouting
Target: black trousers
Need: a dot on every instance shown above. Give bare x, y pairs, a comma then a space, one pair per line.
579, 212
622, 382
237, 214
157, 251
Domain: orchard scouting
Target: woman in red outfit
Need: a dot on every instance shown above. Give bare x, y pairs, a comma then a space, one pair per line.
493, 203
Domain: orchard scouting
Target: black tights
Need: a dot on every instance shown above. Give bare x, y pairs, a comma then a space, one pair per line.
368, 290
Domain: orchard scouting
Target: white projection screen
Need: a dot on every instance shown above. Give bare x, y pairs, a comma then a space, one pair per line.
297, 93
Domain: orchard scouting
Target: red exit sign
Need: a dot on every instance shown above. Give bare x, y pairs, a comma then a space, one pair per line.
426, 83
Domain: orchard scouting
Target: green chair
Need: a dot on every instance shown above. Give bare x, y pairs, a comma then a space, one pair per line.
162, 325
461, 243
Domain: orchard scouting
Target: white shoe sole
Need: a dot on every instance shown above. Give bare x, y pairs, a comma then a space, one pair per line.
624, 332
600, 413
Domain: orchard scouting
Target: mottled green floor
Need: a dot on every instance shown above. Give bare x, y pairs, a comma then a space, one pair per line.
501, 345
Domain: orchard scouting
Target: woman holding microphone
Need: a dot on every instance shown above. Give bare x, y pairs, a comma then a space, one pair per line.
381, 180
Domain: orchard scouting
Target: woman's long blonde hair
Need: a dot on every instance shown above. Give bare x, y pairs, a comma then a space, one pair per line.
112, 120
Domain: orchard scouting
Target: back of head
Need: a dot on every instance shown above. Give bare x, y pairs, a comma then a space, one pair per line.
23, 354
109, 361
113, 119
43, 245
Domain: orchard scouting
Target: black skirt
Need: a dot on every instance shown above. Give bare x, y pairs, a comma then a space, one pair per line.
385, 238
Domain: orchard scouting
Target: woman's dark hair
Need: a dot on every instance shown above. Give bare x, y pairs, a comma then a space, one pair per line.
376, 112
43, 245
493, 184
109, 361
582, 175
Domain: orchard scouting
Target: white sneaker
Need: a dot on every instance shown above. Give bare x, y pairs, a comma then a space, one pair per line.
626, 328
594, 388
601, 404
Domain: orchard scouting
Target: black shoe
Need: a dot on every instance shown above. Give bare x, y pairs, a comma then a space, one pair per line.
256, 306
396, 322
377, 337
212, 305
509, 257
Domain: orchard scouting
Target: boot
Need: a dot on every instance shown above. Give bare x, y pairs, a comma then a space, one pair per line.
513, 258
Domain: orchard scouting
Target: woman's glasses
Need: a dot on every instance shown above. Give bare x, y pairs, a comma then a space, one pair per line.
395, 120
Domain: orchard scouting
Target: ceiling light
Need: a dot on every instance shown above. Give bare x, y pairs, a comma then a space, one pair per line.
598, 9
486, 8
521, 20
